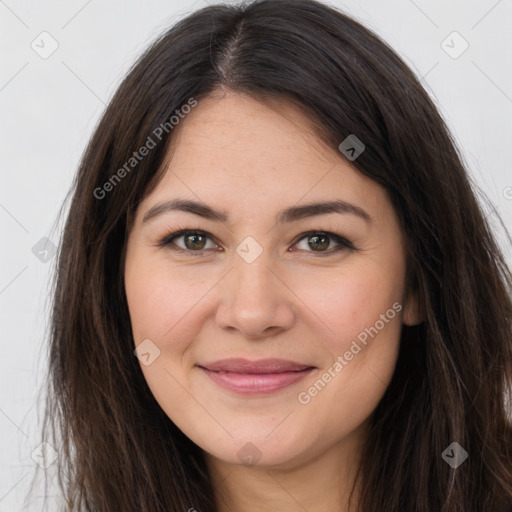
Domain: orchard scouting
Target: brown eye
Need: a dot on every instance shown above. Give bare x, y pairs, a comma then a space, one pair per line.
194, 241
318, 242
190, 241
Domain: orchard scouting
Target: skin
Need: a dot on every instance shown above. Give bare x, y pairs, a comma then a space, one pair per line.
250, 160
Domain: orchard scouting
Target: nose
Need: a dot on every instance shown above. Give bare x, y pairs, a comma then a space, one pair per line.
255, 302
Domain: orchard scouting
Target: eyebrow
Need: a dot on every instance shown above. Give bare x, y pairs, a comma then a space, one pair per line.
290, 214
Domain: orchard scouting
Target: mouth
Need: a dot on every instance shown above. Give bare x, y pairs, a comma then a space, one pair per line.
264, 376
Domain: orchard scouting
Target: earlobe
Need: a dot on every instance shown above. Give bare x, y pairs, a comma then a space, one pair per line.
413, 312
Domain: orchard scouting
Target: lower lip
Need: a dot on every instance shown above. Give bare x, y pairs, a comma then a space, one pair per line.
248, 383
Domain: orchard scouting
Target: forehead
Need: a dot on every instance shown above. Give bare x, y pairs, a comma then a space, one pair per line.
238, 136
235, 151
240, 128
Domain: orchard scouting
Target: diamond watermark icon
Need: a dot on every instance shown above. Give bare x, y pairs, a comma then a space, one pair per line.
44, 250
351, 147
249, 249
146, 352
44, 45
454, 455
454, 45
249, 454
44, 455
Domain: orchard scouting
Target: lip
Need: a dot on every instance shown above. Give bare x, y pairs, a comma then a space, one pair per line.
263, 376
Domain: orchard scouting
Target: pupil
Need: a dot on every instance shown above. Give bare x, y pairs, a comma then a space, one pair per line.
316, 239
195, 238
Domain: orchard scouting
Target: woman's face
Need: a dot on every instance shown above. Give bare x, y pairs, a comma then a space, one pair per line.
254, 285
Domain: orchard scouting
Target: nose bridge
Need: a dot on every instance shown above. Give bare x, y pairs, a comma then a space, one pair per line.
253, 298
252, 283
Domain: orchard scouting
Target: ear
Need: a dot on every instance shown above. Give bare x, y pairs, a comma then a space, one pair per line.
413, 312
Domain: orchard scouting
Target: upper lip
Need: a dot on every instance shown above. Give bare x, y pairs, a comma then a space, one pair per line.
240, 365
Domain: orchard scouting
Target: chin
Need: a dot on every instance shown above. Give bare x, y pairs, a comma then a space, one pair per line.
258, 449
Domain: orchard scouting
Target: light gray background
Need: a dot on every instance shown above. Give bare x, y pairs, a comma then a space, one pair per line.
49, 108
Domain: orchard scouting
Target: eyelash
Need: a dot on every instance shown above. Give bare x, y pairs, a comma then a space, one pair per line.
168, 241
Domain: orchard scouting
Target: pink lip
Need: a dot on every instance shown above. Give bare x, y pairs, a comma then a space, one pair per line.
264, 376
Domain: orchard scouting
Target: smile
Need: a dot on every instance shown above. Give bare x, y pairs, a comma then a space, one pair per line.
266, 376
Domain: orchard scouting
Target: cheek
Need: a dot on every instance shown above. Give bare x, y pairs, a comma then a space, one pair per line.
161, 303
363, 311
349, 302
361, 308
362, 347
161, 298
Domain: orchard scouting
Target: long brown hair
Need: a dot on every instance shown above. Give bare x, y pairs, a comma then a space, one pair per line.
117, 448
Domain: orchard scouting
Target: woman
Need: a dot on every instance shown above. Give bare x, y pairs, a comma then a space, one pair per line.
276, 289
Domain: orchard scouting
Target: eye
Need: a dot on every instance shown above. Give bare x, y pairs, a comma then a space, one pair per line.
193, 241
320, 242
